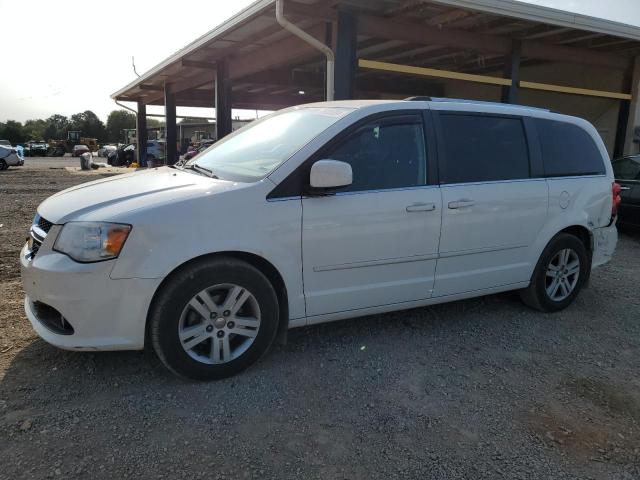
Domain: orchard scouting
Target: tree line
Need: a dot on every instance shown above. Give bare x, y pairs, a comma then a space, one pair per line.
56, 127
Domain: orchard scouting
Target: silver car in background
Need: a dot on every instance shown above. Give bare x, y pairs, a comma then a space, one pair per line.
9, 157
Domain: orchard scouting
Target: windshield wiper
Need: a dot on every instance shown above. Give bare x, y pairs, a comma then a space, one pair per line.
197, 168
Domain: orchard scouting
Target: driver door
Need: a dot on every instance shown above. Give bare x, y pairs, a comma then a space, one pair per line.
374, 242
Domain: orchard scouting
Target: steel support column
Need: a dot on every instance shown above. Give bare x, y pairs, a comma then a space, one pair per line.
346, 61
141, 134
633, 113
223, 100
623, 114
170, 125
512, 71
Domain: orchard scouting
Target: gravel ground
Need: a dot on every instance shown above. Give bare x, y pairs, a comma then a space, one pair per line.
475, 389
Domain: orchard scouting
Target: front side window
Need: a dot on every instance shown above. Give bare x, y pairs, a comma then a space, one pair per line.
627, 168
568, 150
479, 148
254, 151
385, 153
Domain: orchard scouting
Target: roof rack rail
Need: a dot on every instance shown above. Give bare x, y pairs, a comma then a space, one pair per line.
466, 100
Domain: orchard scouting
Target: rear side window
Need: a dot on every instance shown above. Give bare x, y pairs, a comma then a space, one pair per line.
481, 148
568, 150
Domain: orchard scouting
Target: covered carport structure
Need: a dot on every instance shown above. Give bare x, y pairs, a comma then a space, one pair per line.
496, 50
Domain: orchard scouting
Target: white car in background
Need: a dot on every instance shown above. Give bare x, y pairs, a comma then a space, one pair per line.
9, 157
317, 213
104, 150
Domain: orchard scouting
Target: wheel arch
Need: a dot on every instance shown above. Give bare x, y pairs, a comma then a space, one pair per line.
263, 265
583, 233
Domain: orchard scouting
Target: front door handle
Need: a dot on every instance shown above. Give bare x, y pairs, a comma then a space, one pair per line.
463, 203
421, 207
624, 189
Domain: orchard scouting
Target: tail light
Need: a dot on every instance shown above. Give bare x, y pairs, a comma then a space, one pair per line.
616, 199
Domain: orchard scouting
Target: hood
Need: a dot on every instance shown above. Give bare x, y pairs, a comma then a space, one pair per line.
111, 197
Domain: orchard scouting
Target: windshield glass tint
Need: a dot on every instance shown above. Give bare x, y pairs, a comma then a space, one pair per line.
254, 151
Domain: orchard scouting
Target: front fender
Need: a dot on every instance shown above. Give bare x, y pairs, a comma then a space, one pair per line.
163, 239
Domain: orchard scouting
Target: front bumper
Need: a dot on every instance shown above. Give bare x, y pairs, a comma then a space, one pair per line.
105, 314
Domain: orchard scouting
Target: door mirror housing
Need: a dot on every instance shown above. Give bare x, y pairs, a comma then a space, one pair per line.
327, 174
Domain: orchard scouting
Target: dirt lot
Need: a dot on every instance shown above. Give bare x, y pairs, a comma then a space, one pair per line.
476, 389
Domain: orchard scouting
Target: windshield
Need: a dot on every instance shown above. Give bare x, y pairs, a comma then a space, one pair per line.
254, 151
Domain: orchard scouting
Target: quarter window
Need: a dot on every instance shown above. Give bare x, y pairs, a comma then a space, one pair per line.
568, 150
385, 153
482, 148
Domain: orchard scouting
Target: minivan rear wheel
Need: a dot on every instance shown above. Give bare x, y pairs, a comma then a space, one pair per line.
559, 275
3, 164
214, 319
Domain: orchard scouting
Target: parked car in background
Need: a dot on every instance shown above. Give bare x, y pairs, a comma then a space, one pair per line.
627, 173
9, 157
5, 143
127, 154
123, 156
104, 150
36, 149
79, 150
318, 213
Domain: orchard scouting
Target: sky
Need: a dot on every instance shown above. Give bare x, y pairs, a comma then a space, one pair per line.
68, 56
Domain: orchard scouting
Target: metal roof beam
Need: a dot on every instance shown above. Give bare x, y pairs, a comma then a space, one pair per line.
284, 52
417, 33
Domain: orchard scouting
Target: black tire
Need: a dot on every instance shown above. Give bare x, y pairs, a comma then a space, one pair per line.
173, 297
3, 164
536, 295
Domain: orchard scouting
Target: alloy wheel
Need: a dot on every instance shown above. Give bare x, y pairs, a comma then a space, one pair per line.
562, 274
219, 324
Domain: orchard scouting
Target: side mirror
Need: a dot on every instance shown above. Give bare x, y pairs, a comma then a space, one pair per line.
330, 174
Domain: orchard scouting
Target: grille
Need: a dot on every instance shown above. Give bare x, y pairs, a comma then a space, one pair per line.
37, 235
44, 224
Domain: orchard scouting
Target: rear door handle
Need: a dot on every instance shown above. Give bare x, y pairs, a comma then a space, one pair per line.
624, 189
463, 203
421, 207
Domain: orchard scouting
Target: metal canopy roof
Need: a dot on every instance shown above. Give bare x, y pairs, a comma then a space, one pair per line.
269, 67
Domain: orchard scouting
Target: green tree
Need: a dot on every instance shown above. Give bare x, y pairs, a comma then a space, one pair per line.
34, 129
57, 127
89, 124
12, 131
154, 123
117, 121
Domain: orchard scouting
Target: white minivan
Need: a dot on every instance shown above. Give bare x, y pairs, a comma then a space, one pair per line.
317, 213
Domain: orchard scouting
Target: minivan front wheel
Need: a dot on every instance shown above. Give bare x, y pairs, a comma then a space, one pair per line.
214, 319
559, 274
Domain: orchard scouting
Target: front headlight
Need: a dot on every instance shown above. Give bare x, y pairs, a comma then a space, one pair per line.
91, 241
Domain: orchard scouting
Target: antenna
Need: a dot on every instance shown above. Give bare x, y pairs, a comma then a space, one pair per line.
133, 62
